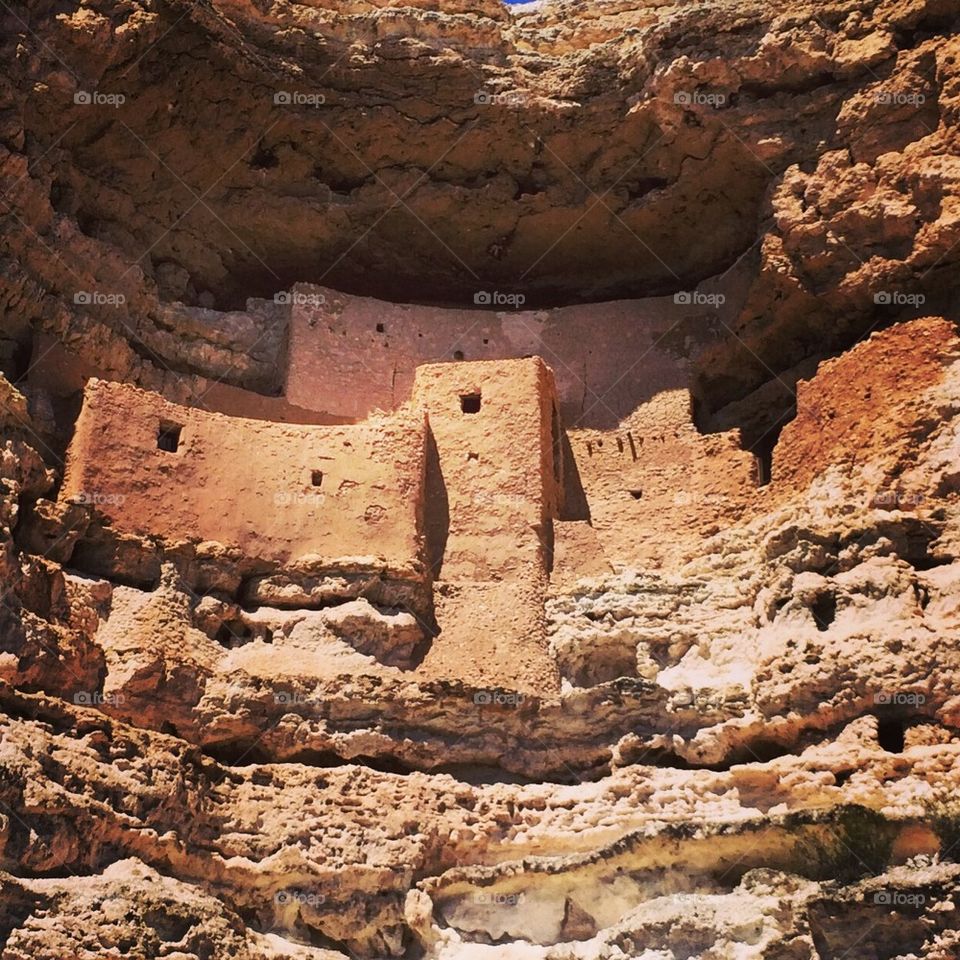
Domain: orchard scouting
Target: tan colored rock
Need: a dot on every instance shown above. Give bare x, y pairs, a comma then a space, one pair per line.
479, 482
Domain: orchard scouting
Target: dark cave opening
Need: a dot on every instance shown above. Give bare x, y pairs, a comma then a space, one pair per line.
891, 734
824, 610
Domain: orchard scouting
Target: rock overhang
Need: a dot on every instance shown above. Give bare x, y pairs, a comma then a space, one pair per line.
775, 660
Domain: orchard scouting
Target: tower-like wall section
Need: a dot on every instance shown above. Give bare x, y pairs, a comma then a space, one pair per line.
492, 424
498, 482
655, 482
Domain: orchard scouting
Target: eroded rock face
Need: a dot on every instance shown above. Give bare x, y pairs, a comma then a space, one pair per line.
313, 647
434, 151
741, 734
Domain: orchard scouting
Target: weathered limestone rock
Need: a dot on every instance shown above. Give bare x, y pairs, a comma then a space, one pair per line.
479, 482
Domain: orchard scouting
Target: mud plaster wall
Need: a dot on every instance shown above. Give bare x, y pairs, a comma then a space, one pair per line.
275, 491
496, 464
350, 355
494, 489
650, 486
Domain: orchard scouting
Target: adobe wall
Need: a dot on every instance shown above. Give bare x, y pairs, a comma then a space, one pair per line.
474, 486
652, 488
495, 486
498, 476
62, 374
350, 355
277, 492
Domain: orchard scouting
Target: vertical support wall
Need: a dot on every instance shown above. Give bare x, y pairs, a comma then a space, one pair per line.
493, 424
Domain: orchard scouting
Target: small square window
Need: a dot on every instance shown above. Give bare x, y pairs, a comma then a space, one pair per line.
380, 328
470, 403
168, 437
316, 477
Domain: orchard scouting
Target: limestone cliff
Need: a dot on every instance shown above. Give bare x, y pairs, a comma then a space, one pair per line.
479, 481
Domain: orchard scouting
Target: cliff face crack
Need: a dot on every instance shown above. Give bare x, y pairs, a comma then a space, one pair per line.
570, 896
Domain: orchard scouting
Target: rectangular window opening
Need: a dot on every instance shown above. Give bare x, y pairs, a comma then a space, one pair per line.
470, 403
168, 437
764, 463
316, 477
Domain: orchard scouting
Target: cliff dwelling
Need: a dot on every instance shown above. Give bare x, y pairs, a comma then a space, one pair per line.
451, 485
479, 480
